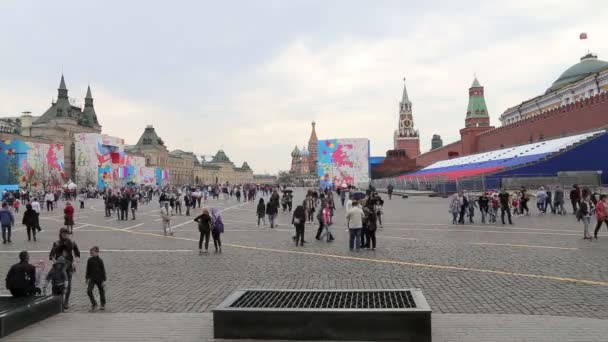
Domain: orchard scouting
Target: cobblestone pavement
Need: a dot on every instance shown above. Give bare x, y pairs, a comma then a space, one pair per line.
539, 266
195, 327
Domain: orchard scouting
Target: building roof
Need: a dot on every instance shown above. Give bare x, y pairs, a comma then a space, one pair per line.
150, 138
477, 103
304, 152
245, 166
296, 152
313, 134
88, 117
207, 165
220, 157
404, 98
475, 83
588, 65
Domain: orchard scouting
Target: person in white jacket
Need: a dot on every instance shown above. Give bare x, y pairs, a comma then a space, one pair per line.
354, 217
50, 199
165, 214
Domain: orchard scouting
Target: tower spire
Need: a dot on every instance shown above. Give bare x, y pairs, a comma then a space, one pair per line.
405, 106
63, 90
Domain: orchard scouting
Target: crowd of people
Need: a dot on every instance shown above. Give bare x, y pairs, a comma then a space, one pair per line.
363, 216
584, 205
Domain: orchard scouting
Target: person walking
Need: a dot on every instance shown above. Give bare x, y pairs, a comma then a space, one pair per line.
165, 215
503, 198
455, 205
558, 201
585, 209
601, 214
354, 217
124, 206
484, 204
271, 210
178, 203
7, 220
30, 219
82, 197
327, 215
36, 206
541, 200
575, 198
107, 202
205, 223
372, 227
523, 202
50, 199
96, 277
188, 202
309, 206
68, 216
58, 279
217, 230
16, 205
261, 212
549, 201
134, 204
68, 249
299, 220
390, 191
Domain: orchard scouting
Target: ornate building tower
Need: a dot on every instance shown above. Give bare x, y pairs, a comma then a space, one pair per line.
477, 119
305, 161
295, 161
312, 150
406, 137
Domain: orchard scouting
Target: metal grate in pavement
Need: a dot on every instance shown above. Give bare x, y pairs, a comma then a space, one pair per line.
319, 299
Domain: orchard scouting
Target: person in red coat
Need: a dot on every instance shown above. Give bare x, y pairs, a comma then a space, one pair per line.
68, 215
600, 214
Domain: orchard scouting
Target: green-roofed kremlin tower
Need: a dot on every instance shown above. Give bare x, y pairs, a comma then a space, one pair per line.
477, 111
477, 119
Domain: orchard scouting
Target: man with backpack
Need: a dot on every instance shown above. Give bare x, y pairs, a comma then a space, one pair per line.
21, 277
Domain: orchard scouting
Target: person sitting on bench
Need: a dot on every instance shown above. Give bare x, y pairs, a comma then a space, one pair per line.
21, 277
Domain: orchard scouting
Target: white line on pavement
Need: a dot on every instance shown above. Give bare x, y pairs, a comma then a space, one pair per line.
182, 224
84, 225
117, 250
135, 226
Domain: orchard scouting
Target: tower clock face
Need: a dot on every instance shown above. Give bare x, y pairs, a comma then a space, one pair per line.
407, 123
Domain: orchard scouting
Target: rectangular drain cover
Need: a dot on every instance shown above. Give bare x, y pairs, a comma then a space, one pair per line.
389, 299
369, 315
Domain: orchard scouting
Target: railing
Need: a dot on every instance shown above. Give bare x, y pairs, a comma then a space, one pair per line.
442, 185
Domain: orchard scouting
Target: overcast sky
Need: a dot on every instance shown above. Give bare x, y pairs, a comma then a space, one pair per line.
250, 76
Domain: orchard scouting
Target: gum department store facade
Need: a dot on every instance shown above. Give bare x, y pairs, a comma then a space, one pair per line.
63, 119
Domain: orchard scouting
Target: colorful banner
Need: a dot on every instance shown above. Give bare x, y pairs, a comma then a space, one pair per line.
343, 162
29, 164
101, 160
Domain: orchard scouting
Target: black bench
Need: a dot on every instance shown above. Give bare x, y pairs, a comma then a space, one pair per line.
361, 315
18, 313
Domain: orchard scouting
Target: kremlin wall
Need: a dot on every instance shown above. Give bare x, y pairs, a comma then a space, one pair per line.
579, 104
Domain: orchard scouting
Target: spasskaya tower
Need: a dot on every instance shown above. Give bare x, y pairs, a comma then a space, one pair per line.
406, 137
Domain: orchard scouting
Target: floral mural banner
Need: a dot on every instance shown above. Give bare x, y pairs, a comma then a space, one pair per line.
101, 160
343, 162
31, 165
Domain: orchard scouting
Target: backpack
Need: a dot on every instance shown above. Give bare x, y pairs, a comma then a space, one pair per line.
582, 210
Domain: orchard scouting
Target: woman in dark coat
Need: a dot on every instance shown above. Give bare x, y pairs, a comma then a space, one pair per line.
261, 212
30, 221
299, 220
204, 227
